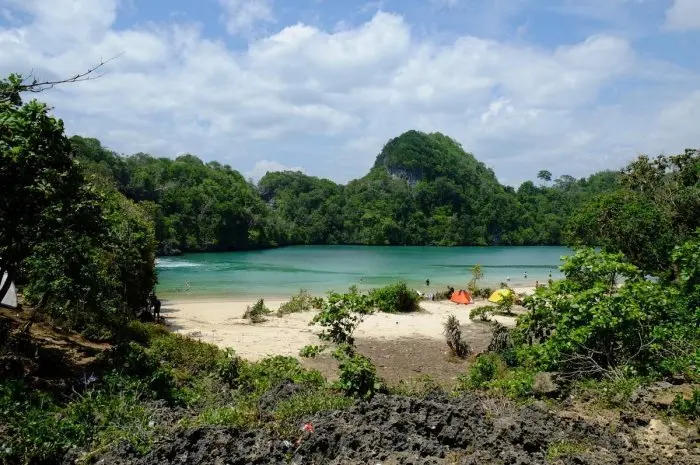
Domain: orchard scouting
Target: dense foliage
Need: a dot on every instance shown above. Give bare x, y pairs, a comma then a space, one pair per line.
656, 206
605, 318
85, 252
193, 205
395, 298
423, 189
128, 402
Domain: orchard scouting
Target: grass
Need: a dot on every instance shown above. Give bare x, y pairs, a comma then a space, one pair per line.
302, 302
564, 449
613, 393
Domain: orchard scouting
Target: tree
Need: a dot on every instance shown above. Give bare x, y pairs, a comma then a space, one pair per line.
544, 175
85, 252
42, 187
656, 207
604, 319
477, 274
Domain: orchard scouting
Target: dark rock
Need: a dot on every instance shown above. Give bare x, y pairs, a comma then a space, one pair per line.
400, 430
283, 391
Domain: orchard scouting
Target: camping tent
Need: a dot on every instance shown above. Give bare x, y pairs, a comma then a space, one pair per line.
10, 300
462, 297
499, 294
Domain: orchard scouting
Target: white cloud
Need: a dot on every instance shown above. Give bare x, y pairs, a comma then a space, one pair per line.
241, 16
262, 167
328, 101
683, 15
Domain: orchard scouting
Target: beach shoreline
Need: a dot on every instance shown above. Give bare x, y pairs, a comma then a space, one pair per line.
221, 322
192, 297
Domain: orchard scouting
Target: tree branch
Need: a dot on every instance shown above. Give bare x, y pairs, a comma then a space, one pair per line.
25, 85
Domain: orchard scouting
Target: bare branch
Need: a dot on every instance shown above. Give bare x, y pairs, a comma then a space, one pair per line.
31, 84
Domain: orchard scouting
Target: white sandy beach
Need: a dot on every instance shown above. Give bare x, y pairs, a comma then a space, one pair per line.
222, 323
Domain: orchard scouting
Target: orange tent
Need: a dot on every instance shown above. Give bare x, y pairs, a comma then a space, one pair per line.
462, 297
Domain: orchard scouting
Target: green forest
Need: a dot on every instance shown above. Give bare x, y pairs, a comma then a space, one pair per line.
423, 189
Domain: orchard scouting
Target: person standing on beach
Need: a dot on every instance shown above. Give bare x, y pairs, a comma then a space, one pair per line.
427, 282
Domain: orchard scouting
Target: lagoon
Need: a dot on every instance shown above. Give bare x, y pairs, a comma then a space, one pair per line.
319, 269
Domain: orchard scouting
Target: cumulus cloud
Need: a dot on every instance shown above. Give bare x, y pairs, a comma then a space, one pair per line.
241, 16
328, 100
683, 15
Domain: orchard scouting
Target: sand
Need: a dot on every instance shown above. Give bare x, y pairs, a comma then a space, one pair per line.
222, 323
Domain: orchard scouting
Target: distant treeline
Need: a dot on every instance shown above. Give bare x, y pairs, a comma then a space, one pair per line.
423, 189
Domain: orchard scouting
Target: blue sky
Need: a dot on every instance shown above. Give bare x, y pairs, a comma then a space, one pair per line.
573, 86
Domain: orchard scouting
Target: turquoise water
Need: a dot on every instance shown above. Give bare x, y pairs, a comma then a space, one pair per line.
282, 272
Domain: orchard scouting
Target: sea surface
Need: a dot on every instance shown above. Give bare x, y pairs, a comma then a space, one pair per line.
319, 269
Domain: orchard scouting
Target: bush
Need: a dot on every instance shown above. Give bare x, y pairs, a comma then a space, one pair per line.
185, 354
590, 326
306, 404
395, 298
302, 302
610, 393
420, 386
483, 312
341, 314
358, 375
500, 338
38, 430
487, 368
311, 351
453, 335
260, 376
688, 407
256, 313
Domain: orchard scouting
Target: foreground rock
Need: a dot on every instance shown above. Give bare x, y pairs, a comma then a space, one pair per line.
401, 430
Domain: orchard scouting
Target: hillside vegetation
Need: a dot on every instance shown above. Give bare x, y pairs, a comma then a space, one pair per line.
423, 189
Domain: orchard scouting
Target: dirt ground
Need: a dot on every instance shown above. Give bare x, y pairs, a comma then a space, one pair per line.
409, 358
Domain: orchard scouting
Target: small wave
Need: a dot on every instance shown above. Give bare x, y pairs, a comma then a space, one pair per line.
175, 264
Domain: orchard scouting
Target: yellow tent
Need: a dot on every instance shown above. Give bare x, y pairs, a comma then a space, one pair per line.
498, 295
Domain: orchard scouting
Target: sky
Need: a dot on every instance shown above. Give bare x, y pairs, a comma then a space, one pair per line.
572, 86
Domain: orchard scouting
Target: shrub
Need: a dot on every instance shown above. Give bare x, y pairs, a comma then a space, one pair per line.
358, 375
341, 314
688, 407
302, 302
228, 367
482, 312
395, 298
260, 376
311, 351
610, 393
487, 368
486, 292
38, 430
185, 354
256, 313
590, 326
420, 386
453, 335
500, 338
505, 305
305, 404
517, 383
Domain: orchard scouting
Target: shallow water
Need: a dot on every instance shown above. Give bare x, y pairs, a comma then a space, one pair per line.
282, 272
